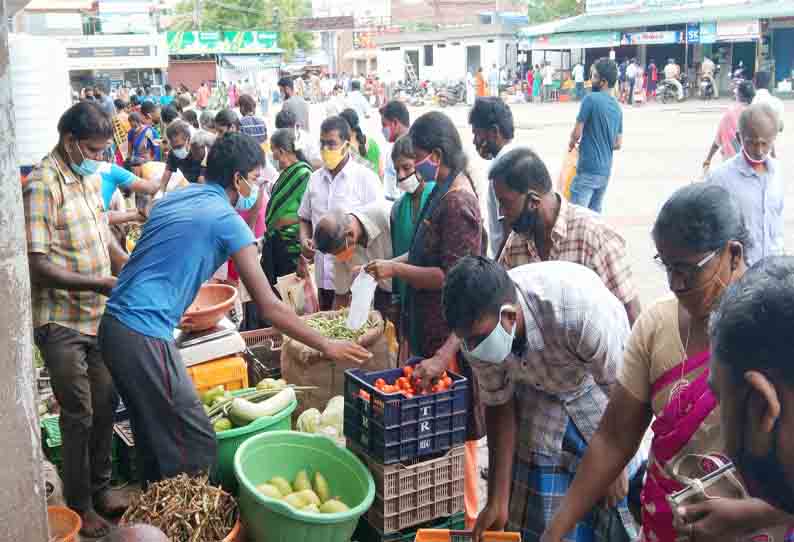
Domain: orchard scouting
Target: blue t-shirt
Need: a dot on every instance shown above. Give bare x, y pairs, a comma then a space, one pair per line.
113, 178
603, 123
166, 100
189, 235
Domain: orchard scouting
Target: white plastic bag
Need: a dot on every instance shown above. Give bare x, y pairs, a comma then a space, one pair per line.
363, 290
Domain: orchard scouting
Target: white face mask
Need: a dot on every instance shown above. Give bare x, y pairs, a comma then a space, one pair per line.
180, 153
495, 347
408, 184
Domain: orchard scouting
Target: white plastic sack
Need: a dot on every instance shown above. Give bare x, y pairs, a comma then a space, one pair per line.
363, 290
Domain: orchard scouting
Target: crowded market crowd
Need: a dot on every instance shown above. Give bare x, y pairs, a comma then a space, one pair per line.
534, 300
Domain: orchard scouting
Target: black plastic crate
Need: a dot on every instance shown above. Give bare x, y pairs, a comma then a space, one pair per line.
394, 409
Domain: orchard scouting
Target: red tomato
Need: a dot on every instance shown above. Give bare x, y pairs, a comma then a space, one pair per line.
379, 383
447, 381
408, 371
364, 395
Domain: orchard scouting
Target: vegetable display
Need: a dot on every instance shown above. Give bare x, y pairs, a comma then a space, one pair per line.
329, 423
411, 386
186, 509
336, 327
303, 495
227, 411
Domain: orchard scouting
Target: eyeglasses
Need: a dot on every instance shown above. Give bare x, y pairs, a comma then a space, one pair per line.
687, 271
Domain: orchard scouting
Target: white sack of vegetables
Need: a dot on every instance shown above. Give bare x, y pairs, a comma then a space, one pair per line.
302, 365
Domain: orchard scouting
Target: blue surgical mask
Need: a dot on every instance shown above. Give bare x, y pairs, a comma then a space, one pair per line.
495, 347
87, 167
244, 204
180, 153
427, 169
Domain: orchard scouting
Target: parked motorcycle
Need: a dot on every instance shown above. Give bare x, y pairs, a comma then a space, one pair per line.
452, 94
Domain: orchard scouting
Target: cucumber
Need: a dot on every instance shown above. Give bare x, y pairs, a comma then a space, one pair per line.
244, 412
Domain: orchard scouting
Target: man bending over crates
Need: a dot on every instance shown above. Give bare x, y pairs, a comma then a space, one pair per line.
189, 235
545, 341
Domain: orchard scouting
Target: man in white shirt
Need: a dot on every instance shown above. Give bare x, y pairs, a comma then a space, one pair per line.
631, 76
548, 81
672, 74
341, 184
357, 102
578, 78
493, 81
356, 238
763, 80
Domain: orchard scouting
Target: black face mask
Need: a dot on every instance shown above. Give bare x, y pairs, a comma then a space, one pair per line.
765, 476
528, 221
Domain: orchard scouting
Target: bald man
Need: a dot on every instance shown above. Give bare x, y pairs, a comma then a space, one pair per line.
136, 533
356, 238
755, 179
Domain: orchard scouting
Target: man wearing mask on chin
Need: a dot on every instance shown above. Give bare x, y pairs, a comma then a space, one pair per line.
546, 342
342, 184
547, 227
72, 255
157, 286
755, 180
492, 126
395, 121
753, 379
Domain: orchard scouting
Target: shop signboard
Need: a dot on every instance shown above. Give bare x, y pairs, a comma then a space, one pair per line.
579, 40
708, 33
115, 52
693, 33
651, 38
616, 6
226, 42
742, 30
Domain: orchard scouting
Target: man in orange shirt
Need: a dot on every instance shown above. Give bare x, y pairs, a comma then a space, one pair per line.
203, 96
479, 83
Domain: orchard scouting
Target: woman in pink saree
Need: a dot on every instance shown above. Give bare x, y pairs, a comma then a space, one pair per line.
700, 237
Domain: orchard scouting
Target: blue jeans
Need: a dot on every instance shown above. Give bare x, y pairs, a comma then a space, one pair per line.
588, 190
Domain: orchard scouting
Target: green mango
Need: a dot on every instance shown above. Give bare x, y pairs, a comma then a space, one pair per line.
321, 487
302, 481
295, 500
282, 485
269, 490
333, 506
309, 496
311, 509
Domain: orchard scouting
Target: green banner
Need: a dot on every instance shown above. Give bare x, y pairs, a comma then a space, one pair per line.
229, 42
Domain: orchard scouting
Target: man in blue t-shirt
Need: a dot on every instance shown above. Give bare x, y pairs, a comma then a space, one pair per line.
598, 132
189, 235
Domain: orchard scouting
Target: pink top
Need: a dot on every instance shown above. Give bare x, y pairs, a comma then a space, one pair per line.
259, 231
726, 131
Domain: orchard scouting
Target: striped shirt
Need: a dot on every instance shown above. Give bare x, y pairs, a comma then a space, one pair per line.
579, 236
254, 127
64, 222
573, 349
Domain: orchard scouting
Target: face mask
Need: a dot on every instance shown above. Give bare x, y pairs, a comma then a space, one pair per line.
527, 222
246, 203
180, 153
408, 184
87, 167
427, 169
694, 297
333, 157
765, 476
496, 346
753, 161
346, 254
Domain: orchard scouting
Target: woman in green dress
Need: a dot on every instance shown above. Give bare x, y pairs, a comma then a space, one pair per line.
281, 249
365, 147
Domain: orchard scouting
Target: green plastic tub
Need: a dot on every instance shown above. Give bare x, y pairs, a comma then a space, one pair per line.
284, 453
229, 441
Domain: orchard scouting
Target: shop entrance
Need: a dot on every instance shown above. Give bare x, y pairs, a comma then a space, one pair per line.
472, 58
783, 51
745, 52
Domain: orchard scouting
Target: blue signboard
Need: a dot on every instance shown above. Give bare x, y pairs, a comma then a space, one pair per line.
708, 32
693, 33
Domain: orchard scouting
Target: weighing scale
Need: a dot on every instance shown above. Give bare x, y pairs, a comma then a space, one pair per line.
221, 341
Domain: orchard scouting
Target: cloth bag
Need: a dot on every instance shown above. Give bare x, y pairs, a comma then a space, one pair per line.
302, 365
693, 471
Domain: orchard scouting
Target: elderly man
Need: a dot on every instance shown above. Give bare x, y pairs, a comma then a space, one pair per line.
545, 341
72, 255
755, 180
355, 239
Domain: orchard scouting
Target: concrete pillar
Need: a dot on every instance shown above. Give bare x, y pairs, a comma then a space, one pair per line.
23, 514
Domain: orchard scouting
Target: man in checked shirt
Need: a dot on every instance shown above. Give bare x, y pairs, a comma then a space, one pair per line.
72, 256
545, 341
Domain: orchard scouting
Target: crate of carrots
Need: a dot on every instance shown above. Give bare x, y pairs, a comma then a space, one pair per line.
393, 418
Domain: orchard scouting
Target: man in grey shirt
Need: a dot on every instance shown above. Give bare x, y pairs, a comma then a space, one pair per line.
297, 105
754, 178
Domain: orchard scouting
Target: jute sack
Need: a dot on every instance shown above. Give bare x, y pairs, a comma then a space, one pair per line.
304, 366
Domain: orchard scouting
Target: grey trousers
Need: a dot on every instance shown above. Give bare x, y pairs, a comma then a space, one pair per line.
84, 390
172, 432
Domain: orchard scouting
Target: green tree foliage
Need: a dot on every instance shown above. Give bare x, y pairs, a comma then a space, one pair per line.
541, 11
279, 15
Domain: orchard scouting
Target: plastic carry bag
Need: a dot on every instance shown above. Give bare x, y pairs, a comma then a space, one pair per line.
363, 290
298, 293
567, 173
